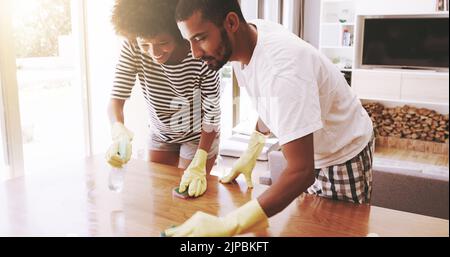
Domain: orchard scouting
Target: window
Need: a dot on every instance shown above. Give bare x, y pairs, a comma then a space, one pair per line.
289, 13
49, 93
103, 47
226, 101
11, 157
43, 110
2, 140
251, 9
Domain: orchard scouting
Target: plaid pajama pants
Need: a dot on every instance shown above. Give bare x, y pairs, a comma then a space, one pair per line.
350, 181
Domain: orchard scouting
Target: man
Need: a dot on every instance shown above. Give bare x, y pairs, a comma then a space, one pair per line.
181, 93
325, 133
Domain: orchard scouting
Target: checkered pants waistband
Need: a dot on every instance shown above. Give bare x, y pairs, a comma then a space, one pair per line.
350, 181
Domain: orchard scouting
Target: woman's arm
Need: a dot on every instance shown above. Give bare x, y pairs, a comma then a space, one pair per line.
115, 110
207, 137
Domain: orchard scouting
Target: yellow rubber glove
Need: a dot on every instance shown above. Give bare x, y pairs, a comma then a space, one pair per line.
248, 218
119, 151
247, 161
194, 177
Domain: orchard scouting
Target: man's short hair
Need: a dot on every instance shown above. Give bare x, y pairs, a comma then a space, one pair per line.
145, 18
212, 10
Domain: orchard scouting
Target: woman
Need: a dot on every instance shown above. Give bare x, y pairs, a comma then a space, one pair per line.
181, 93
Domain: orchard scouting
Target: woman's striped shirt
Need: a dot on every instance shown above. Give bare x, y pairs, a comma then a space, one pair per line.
180, 97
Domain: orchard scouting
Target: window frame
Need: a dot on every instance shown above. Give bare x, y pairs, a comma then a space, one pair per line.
10, 122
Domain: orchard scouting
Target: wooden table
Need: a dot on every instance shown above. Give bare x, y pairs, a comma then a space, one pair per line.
75, 200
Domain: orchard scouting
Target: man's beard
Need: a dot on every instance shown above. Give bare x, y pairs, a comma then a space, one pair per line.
215, 64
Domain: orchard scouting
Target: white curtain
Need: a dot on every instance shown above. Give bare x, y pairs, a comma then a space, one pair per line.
289, 13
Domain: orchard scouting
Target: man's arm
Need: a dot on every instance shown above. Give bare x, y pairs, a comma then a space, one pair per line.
294, 180
115, 110
252, 216
247, 161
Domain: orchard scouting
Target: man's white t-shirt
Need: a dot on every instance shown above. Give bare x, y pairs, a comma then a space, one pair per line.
297, 91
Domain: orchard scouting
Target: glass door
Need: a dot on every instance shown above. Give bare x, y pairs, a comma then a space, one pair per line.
50, 94
3, 161
11, 159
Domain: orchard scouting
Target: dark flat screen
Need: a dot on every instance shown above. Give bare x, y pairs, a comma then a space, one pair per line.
406, 42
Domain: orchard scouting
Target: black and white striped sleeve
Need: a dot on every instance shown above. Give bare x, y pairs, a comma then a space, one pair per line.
125, 74
210, 87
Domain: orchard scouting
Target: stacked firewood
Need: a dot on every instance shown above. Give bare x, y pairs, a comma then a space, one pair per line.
409, 122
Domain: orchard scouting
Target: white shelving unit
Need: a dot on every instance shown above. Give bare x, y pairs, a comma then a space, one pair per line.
403, 86
337, 16
397, 85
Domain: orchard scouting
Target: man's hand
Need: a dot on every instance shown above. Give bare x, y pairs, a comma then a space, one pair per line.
119, 151
248, 218
247, 161
194, 177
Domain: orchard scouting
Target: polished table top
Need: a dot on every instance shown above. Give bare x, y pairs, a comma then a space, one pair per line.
75, 200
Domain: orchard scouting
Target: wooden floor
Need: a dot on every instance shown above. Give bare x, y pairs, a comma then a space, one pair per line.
412, 156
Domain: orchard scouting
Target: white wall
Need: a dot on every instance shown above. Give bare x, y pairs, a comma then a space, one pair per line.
103, 50
400, 86
249, 9
312, 22
312, 12
2, 137
394, 6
